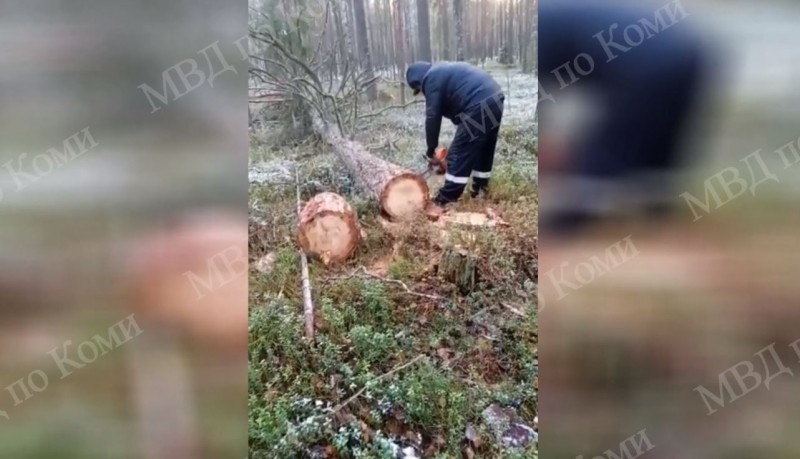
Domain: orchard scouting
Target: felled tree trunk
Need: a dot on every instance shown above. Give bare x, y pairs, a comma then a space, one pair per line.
328, 228
400, 192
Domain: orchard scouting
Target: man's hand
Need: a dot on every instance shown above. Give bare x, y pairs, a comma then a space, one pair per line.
435, 165
437, 162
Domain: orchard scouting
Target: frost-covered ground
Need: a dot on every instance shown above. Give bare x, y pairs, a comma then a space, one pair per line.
398, 135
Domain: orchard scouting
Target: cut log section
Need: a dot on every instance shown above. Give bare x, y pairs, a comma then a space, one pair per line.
328, 228
401, 193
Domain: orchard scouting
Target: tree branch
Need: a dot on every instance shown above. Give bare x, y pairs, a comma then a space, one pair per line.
376, 113
308, 306
416, 359
394, 281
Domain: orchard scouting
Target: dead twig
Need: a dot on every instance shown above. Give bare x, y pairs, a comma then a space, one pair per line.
393, 281
378, 112
513, 309
308, 306
416, 359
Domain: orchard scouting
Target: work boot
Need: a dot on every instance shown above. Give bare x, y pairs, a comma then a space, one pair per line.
479, 193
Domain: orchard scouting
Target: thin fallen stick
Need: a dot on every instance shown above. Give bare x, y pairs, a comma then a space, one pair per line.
379, 378
394, 281
513, 309
308, 306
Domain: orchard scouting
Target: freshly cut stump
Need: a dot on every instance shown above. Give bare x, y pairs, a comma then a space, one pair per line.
328, 228
400, 192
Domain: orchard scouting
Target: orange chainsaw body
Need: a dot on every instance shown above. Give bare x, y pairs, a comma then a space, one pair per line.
440, 155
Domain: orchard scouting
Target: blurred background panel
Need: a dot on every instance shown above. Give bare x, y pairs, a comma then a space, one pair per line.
668, 306
123, 237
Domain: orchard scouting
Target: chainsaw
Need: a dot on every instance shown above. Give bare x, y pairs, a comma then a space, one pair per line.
436, 165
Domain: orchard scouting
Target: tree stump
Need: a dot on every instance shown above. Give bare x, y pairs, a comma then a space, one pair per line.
460, 267
328, 228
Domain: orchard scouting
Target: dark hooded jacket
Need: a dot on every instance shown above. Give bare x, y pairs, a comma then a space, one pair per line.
450, 89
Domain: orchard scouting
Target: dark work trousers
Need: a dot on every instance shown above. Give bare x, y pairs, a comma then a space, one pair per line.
472, 150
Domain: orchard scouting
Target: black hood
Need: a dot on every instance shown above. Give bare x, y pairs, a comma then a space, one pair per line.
416, 72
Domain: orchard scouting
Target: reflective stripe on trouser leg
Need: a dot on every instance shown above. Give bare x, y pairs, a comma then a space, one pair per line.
454, 179
485, 160
461, 157
452, 189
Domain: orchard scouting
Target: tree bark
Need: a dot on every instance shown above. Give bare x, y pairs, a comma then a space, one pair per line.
424, 24
399, 36
350, 17
327, 228
359, 11
525, 35
445, 18
510, 32
400, 192
484, 37
501, 23
458, 12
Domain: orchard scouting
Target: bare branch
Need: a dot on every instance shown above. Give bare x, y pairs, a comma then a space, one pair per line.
391, 107
288, 54
362, 269
416, 359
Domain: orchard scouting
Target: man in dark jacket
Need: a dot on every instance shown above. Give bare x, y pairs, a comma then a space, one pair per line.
473, 101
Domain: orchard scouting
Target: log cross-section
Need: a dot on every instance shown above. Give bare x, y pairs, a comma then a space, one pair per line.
328, 228
401, 193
